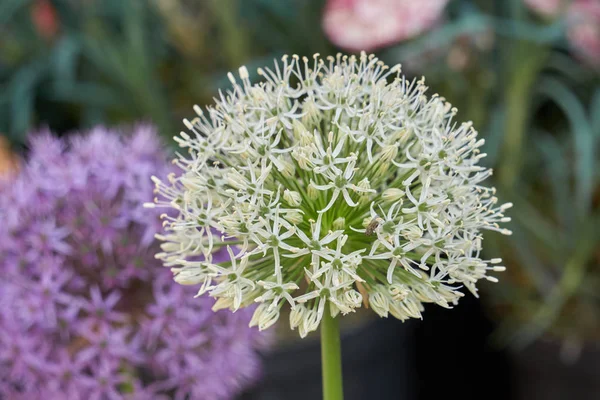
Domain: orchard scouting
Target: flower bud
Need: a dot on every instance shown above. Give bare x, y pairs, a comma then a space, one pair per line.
286, 168
389, 153
302, 157
297, 315
339, 223
379, 303
299, 129
264, 316
268, 318
334, 309
398, 291
413, 233
312, 115
310, 323
189, 276
294, 217
392, 194
292, 197
382, 169
365, 187
223, 303
353, 298
312, 191
413, 307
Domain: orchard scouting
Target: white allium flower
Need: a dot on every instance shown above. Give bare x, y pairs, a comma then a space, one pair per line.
332, 184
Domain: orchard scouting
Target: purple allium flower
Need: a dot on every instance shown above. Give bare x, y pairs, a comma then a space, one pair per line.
85, 309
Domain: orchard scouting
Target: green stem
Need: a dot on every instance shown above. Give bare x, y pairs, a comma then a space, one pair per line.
517, 97
331, 358
234, 44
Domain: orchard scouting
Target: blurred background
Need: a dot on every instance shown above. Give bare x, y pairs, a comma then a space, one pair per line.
526, 72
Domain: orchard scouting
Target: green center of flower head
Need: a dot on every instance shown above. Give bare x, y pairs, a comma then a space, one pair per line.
331, 184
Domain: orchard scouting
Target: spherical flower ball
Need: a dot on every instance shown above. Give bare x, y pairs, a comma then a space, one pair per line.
332, 184
372, 24
86, 311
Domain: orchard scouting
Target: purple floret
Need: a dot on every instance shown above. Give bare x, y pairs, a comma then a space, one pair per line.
86, 311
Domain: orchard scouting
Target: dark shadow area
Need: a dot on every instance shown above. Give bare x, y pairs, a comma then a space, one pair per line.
377, 364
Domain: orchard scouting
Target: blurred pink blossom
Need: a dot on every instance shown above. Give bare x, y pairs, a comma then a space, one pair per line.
583, 29
371, 24
45, 19
546, 8
583, 23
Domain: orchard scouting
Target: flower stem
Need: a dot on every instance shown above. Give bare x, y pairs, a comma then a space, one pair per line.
331, 358
518, 102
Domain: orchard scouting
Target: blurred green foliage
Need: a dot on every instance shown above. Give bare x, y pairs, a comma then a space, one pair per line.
116, 61
537, 105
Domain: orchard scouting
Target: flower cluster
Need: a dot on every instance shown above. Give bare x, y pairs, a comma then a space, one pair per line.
371, 24
332, 183
85, 309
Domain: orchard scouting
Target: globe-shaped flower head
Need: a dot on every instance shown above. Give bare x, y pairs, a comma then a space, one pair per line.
331, 184
86, 312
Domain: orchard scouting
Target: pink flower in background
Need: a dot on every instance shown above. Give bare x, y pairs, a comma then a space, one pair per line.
584, 29
546, 8
583, 23
371, 24
45, 19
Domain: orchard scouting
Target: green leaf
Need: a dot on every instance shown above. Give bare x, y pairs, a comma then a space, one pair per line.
65, 58
494, 135
583, 140
531, 262
22, 95
595, 115
558, 179
529, 217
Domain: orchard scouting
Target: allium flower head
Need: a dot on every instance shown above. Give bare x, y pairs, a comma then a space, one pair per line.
84, 306
372, 24
332, 184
